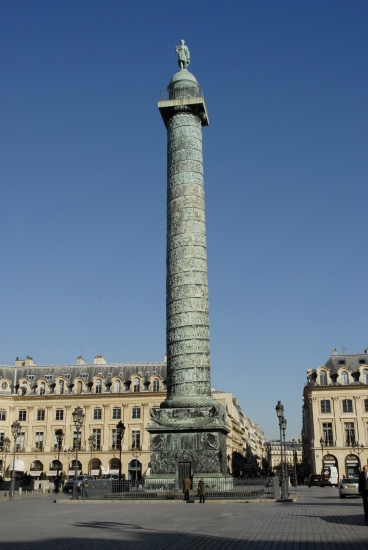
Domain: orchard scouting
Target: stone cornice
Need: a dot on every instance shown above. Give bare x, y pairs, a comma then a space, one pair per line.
81, 396
337, 388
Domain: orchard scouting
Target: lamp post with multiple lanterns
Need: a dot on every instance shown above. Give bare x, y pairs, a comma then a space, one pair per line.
78, 417
91, 443
16, 431
282, 426
6, 449
59, 434
120, 429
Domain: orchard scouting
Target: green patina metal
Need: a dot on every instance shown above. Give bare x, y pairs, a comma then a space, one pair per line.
189, 427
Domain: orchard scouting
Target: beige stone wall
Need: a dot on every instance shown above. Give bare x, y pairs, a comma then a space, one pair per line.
67, 403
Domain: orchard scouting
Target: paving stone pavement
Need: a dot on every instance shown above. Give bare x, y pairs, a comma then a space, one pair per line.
319, 520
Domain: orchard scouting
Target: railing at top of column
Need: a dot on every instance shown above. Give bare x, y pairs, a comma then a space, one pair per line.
181, 93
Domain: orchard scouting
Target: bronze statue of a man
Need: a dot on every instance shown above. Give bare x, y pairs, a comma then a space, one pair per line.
183, 55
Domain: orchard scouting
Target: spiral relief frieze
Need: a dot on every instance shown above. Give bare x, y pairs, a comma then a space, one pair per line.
186, 278
187, 226
184, 190
187, 294
186, 239
185, 177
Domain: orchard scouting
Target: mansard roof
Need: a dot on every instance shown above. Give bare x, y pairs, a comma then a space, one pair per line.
89, 371
351, 361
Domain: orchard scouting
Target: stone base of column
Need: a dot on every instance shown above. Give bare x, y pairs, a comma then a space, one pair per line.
188, 441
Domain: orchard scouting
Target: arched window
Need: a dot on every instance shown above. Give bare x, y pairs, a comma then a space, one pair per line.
365, 376
156, 385
36, 466
79, 387
42, 388
136, 386
56, 465
72, 465
114, 464
98, 385
61, 387
117, 386
323, 378
344, 378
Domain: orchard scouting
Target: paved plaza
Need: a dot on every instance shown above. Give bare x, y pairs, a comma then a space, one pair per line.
318, 520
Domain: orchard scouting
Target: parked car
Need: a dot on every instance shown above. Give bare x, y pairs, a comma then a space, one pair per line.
314, 479
349, 486
109, 476
68, 485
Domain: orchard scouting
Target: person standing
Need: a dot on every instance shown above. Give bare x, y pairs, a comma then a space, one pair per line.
186, 487
363, 489
201, 490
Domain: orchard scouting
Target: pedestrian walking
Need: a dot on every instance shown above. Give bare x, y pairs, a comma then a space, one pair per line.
363, 489
201, 490
186, 487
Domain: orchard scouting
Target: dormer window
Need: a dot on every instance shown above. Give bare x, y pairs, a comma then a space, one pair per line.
61, 387
136, 385
98, 385
42, 388
323, 378
117, 386
365, 376
344, 378
156, 385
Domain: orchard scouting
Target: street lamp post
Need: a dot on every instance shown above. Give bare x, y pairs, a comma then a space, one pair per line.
120, 429
282, 422
322, 441
78, 417
15, 430
59, 434
358, 449
92, 443
6, 449
295, 460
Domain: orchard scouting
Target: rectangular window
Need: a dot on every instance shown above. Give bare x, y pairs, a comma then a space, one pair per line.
1, 440
136, 439
116, 414
76, 441
2, 415
22, 416
97, 414
325, 406
39, 441
366, 405
59, 414
97, 434
48, 377
349, 433
19, 443
327, 434
347, 406
41, 414
136, 412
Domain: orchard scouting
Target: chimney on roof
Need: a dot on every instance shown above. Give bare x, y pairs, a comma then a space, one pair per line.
99, 360
335, 352
28, 362
80, 360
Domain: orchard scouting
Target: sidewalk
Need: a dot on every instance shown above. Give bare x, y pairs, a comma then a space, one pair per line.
319, 520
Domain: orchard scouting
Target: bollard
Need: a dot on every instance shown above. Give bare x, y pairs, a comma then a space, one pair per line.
20, 491
276, 487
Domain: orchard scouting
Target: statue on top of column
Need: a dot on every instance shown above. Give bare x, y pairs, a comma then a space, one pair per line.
183, 55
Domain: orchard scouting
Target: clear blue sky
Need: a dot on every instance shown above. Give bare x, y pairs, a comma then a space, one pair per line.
83, 184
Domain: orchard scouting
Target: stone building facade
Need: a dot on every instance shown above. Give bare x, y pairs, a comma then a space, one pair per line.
274, 454
335, 413
42, 399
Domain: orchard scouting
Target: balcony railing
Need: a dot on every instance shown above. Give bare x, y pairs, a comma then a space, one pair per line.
180, 93
135, 448
37, 449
